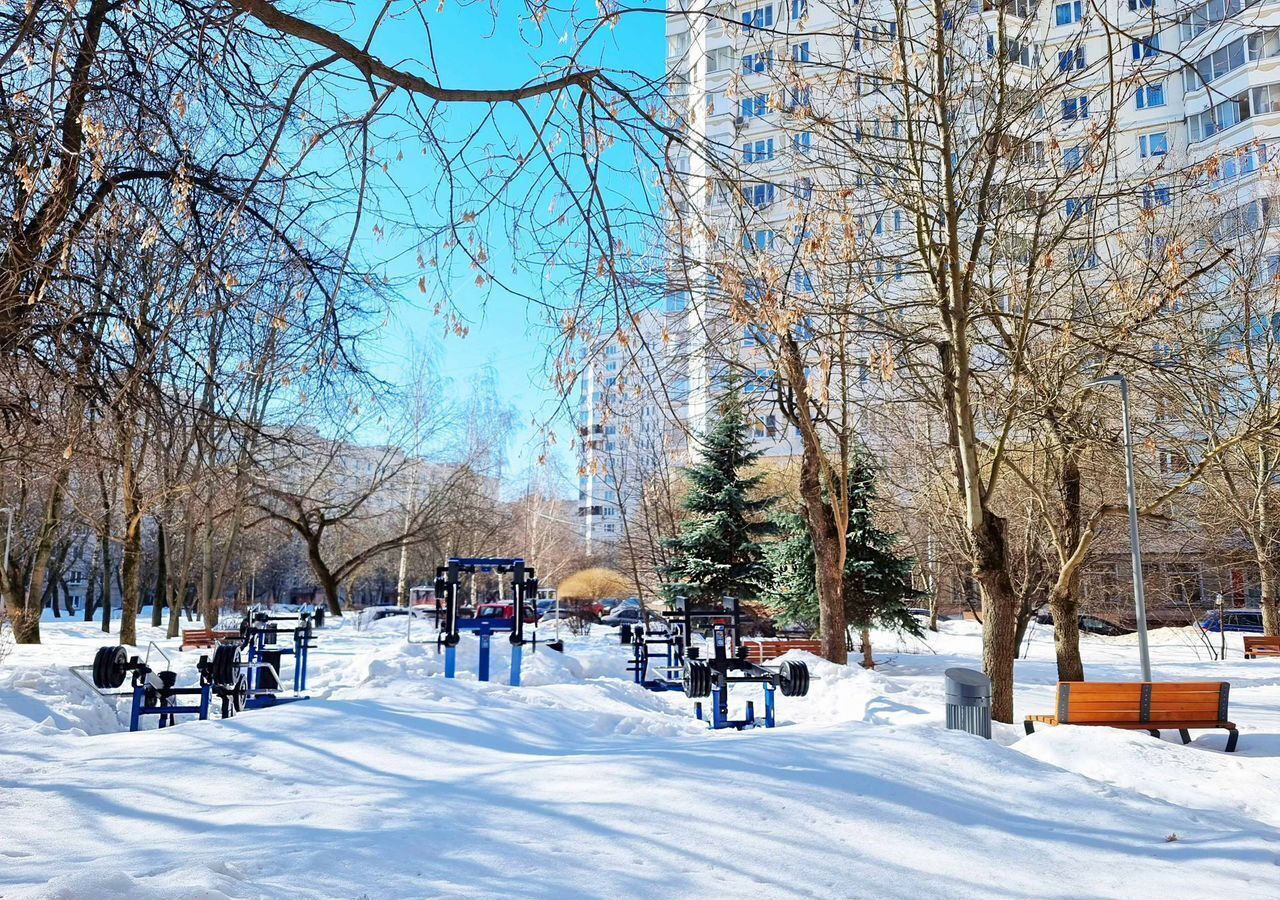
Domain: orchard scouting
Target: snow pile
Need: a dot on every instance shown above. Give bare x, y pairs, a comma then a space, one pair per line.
395, 782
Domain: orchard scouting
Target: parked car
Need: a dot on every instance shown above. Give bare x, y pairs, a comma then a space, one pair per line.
1089, 624
626, 615
1246, 620
505, 611
551, 616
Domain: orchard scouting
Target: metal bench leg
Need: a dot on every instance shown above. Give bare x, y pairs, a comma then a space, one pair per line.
1186, 736
1029, 726
1232, 737
1153, 732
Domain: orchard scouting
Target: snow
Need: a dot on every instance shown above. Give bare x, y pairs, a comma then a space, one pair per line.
392, 781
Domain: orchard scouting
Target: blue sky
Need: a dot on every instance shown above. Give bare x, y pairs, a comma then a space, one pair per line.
501, 333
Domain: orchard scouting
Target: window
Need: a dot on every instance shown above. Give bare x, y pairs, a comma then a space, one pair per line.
1021, 53
758, 151
799, 8
1154, 144
1074, 108
1202, 17
803, 283
1135, 5
1156, 195
1084, 257
1224, 115
1146, 48
1077, 207
759, 240
1068, 13
609, 527
719, 59
754, 107
797, 97
760, 195
897, 220
800, 52
802, 143
1071, 59
760, 17
1073, 158
1150, 96
757, 62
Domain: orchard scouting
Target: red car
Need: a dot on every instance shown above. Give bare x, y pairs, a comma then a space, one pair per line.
506, 611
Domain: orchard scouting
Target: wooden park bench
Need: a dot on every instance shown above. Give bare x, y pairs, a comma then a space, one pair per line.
207, 637
1261, 645
1145, 706
762, 650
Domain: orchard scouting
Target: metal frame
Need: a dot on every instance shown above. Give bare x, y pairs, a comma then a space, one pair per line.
265, 657
524, 584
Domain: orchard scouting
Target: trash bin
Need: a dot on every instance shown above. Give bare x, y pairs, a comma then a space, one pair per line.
968, 701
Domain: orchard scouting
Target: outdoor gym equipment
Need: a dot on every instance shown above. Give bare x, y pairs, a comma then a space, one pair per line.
523, 585
155, 693
657, 654
728, 666
260, 634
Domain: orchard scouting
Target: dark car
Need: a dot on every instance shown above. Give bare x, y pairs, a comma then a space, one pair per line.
627, 615
1246, 620
1089, 625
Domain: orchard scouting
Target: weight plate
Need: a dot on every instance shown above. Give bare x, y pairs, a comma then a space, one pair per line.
110, 666
239, 694
697, 679
793, 679
226, 664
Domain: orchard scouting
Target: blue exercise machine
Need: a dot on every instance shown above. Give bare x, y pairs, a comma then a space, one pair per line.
156, 693
523, 586
260, 634
728, 665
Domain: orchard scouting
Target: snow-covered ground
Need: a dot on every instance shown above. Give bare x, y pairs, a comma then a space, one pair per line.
395, 782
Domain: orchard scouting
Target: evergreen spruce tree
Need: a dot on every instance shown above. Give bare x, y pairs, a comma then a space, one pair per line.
718, 552
877, 582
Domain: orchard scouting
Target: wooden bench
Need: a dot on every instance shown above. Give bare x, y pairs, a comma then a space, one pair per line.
1145, 706
1256, 645
761, 650
207, 637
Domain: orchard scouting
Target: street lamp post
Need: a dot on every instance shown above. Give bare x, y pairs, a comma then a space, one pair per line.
1220, 602
1139, 592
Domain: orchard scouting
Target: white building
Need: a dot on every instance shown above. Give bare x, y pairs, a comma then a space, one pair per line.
1173, 86
631, 421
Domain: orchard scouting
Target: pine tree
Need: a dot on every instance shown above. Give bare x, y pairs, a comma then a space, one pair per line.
877, 582
718, 552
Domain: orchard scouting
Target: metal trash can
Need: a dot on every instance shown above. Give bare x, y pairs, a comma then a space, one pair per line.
968, 701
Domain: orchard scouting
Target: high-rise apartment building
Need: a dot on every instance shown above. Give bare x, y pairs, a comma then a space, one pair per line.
631, 421
1160, 98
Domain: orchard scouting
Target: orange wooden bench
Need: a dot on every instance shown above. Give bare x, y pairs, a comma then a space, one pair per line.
1146, 706
1261, 645
207, 637
761, 650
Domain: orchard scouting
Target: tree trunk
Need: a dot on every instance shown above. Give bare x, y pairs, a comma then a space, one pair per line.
208, 606
868, 661
104, 541
1064, 600
26, 625
160, 601
1065, 607
131, 565
999, 614
325, 577
828, 559
1269, 571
